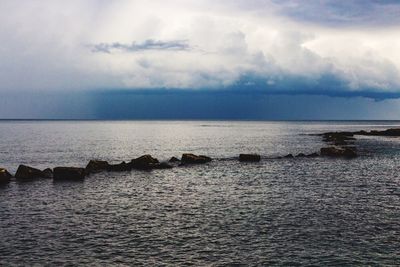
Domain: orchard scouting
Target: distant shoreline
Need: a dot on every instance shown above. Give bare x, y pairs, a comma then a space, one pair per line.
199, 120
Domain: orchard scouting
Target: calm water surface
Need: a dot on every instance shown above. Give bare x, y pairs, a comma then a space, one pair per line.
320, 212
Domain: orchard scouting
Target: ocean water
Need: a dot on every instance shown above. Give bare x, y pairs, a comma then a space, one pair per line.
291, 212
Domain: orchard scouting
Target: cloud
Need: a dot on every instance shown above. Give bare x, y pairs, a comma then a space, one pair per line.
364, 13
177, 45
325, 47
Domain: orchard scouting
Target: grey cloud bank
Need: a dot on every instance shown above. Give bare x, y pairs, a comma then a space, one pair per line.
198, 105
331, 48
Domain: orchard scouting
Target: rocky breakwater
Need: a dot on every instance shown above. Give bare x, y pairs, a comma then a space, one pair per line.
249, 158
342, 145
194, 159
343, 142
68, 174
29, 173
5, 176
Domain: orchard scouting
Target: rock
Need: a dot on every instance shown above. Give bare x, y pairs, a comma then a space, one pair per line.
388, 132
121, 167
5, 176
95, 166
249, 158
173, 160
338, 138
145, 162
26, 172
362, 132
289, 156
194, 159
162, 166
301, 155
312, 155
48, 173
338, 152
349, 153
68, 173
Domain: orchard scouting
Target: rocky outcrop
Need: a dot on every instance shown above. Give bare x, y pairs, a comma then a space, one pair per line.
174, 160
48, 173
336, 152
5, 176
289, 156
162, 166
249, 158
332, 136
145, 162
338, 138
95, 166
68, 174
121, 167
389, 132
26, 172
194, 159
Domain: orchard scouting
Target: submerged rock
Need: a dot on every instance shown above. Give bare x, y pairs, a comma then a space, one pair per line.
312, 155
121, 167
249, 158
5, 176
174, 159
338, 138
48, 173
301, 155
162, 166
68, 173
388, 132
26, 172
194, 159
338, 152
289, 156
145, 162
95, 166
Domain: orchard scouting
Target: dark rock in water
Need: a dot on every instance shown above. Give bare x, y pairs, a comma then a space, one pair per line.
145, 162
121, 167
338, 138
162, 166
301, 155
249, 157
95, 166
330, 151
349, 153
174, 159
388, 132
68, 173
48, 173
313, 155
5, 176
289, 156
338, 152
340, 134
194, 159
26, 172
362, 132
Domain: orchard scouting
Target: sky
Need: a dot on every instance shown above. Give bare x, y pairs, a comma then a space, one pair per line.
203, 59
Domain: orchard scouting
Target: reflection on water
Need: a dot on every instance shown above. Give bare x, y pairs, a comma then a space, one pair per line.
303, 211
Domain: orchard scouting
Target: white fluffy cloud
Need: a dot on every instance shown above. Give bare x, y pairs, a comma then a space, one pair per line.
89, 44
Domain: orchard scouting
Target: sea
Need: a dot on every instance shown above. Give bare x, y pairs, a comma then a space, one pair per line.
278, 212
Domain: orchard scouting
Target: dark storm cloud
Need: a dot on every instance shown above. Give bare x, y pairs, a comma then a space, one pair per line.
176, 45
